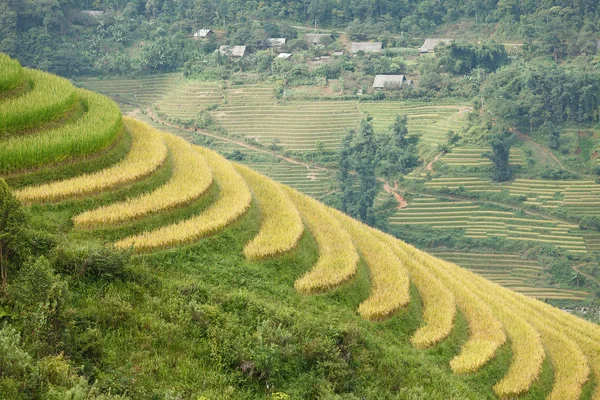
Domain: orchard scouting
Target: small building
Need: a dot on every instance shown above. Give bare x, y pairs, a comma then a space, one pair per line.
284, 56
93, 14
232, 51
203, 33
276, 43
338, 53
430, 44
366, 47
391, 82
316, 38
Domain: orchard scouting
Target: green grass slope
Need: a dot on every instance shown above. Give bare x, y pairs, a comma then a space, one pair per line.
182, 314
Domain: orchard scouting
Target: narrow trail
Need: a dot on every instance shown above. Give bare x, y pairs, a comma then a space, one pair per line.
159, 120
402, 203
429, 166
579, 271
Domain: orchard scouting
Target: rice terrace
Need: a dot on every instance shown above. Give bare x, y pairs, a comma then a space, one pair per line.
235, 200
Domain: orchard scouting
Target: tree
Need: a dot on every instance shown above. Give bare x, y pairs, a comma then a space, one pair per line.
501, 140
552, 132
12, 220
358, 156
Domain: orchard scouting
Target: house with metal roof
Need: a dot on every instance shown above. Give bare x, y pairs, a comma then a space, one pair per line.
276, 43
391, 82
93, 14
232, 51
366, 47
430, 44
284, 56
316, 38
203, 33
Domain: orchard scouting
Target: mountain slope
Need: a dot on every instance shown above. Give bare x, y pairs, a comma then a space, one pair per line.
189, 308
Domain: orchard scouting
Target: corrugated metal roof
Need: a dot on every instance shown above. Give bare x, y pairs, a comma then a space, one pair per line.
382, 81
284, 56
232, 51
430, 44
202, 33
366, 47
276, 42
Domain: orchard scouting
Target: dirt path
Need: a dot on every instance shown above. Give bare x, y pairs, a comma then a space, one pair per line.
155, 118
429, 166
402, 203
579, 271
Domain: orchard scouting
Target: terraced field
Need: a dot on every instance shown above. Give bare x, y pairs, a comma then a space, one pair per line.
253, 112
579, 197
132, 93
188, 98
430, 122
482, 223
471, 157
169, 213
511, 271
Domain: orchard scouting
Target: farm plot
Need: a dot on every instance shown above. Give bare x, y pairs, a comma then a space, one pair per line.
134, 92
187, 99
252, 112
511, 271
480, 223
471, 157
430, 122
577, 197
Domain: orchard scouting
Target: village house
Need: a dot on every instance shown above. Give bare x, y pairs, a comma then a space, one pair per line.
276, 44
316, 38
391, 82
203, 33
430, 44
233, 51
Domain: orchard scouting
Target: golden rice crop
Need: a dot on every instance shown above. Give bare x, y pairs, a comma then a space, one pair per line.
389, 277
11, 73
233, 201
439, 307
148, 152
281, 225
50, 98
527, 349
191, 178
563, 343
338, 258
93, 132
486, 333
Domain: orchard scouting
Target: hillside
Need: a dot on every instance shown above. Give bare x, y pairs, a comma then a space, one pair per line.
237, 286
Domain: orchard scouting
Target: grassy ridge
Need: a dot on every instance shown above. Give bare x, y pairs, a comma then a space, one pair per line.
12, 73
94, 131
49, 99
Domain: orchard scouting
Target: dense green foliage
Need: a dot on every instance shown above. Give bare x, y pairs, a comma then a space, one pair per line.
55, 36
462, 58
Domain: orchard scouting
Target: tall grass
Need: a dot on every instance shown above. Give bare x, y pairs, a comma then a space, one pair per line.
338, 258
233, 201
49, 99
11, 73
94, 131
281, 225
148, 152
191, 178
